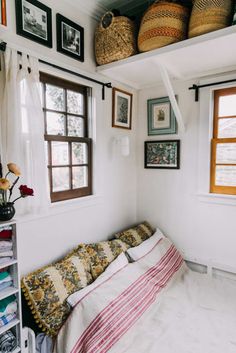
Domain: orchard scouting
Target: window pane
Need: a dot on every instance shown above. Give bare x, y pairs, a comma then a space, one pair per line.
79, 177
55, 124
60, 153
55, 98
227, 128
75, 102
225, 176
75, 126
226, 153
227, 105
60, 179
79, 153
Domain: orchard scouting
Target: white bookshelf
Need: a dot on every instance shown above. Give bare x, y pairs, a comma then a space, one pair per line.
13, 268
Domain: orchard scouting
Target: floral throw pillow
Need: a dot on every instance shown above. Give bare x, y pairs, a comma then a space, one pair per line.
103, 253
47, 289
136, 235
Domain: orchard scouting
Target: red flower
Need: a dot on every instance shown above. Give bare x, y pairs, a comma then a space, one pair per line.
25, 191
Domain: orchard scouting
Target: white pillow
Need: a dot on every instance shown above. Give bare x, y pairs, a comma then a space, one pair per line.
120, 262
145, 247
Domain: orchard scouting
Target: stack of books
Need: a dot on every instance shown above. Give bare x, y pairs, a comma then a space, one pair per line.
3, 12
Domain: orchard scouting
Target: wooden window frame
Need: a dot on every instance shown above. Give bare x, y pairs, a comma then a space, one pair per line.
230, 190
67, 85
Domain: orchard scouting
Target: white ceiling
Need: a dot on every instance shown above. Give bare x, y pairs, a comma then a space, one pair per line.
96, 8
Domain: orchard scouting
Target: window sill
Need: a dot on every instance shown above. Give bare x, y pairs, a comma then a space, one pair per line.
62, 207
220, 199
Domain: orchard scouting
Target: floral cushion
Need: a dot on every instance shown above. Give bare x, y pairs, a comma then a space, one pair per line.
103, 253
136, 235
46, 290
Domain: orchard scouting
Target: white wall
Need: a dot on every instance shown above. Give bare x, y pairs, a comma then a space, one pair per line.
200, 226
44, 238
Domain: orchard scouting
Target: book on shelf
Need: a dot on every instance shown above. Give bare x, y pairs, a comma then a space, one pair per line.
3, 17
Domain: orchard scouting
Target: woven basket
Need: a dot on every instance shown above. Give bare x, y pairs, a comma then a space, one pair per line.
163, 23
114, 39
209, 15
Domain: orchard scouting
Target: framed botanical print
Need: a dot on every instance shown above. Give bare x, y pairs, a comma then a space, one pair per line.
70, 38
162, 154
34, 21
121, 108
161, 117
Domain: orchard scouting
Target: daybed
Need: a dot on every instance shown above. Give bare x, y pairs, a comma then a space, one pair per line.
152, 304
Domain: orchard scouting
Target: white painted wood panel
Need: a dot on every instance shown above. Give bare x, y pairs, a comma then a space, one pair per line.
192, 58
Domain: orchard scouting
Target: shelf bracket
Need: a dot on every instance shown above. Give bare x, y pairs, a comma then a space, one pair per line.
170, 91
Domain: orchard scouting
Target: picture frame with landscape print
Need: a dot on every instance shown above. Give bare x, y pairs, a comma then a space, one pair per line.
121, 108
162, 154
70, 38
34, 21
161, 117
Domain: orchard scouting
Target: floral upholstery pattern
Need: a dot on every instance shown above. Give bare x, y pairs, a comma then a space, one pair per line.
46, 290
136, 235
103, 253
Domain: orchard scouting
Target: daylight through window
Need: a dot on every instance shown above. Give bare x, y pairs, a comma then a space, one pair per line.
223, 148
69, 149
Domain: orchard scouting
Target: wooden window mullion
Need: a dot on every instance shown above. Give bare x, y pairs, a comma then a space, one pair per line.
216, 140
71, 193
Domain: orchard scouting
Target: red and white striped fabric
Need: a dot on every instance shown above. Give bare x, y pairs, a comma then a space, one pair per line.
101, 320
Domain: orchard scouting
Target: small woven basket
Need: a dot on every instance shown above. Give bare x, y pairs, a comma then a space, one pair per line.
209, 15
163, 23
114, 39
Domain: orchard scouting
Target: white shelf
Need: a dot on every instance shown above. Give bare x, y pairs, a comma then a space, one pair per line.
7, 292
204, 55
15, 288
9, 326
8, 263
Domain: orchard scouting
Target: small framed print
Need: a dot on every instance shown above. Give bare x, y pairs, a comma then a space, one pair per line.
121, 108
162, 154
34, 21
161, 117
70, 38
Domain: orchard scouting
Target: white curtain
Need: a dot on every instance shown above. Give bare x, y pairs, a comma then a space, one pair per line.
22, 128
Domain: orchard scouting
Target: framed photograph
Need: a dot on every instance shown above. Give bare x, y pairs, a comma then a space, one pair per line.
161, 117
70, 38
34, 21
121, 108
162, 154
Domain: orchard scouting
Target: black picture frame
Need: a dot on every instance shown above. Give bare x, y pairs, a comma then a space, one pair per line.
34, 25
162, 154
77, 44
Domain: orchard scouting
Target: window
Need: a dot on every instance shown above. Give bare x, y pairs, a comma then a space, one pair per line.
223, 146
69, 149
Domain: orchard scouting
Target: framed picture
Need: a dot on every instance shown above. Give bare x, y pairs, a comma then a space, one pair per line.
121, 108
34, 21
162, 154
161, 117
70, 38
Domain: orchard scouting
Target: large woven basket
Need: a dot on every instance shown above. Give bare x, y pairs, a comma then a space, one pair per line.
114, 39
209, 15
163, 23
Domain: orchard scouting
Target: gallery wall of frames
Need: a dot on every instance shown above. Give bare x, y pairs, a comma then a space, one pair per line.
34, 22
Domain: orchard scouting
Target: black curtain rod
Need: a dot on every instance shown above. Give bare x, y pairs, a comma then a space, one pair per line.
108, 84
197, 87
